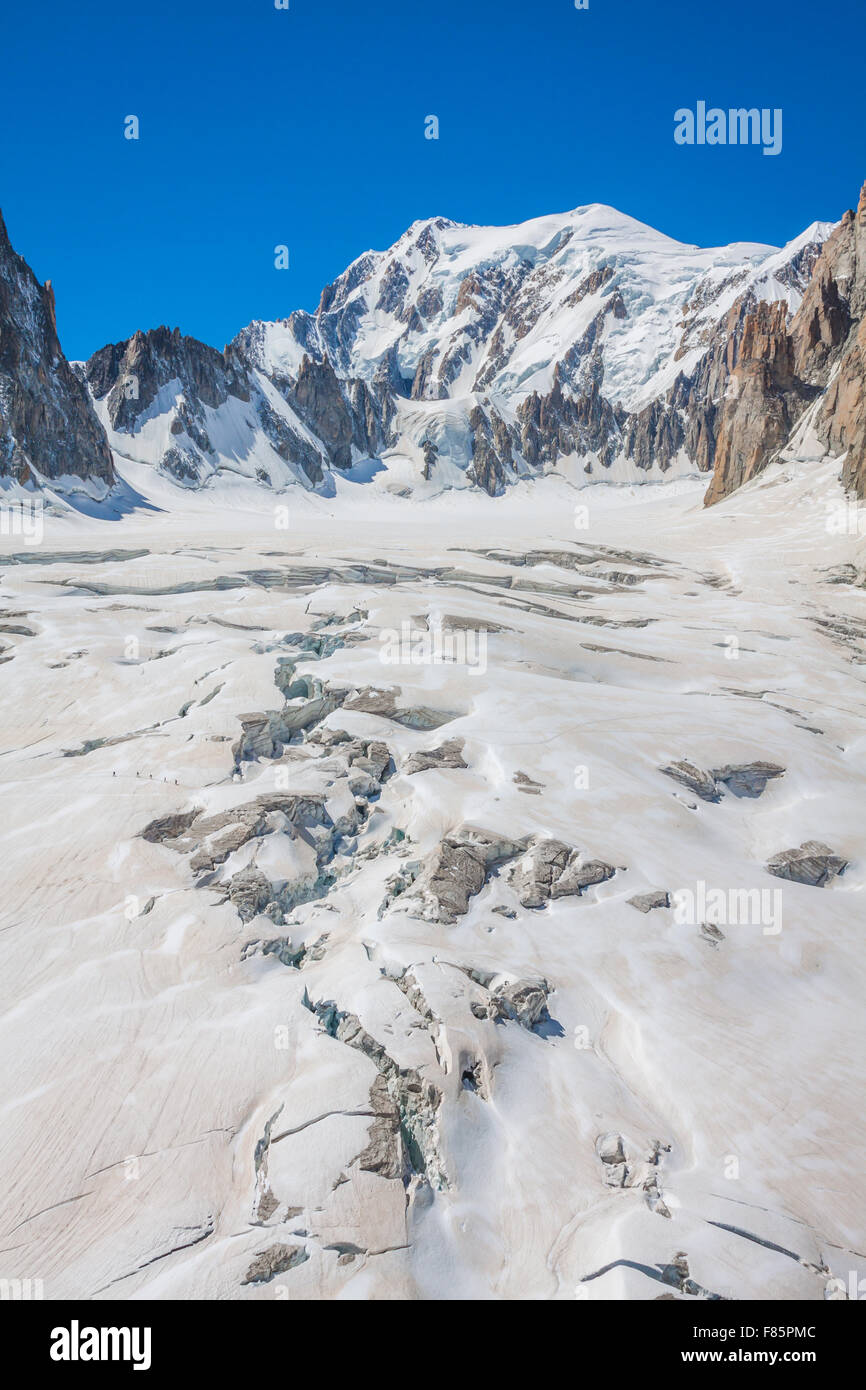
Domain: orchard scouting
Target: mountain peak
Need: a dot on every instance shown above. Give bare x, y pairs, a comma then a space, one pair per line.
583, 340
463, 354
48, 428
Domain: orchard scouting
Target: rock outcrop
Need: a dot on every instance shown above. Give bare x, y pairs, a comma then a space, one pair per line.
742, 779
48, 428
448, 754
456, 873
550, 869
784, 366
649, 902
763, 400
129, 376
312, 422
814, 864
841, 420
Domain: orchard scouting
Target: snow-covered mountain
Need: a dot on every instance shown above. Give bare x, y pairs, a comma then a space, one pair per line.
463, 355
584, 343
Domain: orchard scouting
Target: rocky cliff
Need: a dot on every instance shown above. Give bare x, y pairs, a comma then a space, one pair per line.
193, 411
841, 420
784, 366
763, 399
48, 428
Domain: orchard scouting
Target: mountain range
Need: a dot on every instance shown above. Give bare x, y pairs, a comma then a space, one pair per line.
585, 343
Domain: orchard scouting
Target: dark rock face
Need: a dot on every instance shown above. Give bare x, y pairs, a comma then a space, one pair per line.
842, 418
491, 451
190, 376
783, 368
558, 424
289, 444
47, 423
132, 373
763, 400
321, 405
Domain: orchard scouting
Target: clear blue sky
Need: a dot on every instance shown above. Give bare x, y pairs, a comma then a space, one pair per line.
306, 128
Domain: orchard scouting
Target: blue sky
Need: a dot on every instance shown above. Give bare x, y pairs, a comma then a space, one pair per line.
305, 127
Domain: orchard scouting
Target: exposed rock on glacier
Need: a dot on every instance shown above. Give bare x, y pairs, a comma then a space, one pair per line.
748, 779
648, 902
448, 754
457, 872
277, 1259
743, 779
527, 784
551, 869
521, 1001
813, 863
